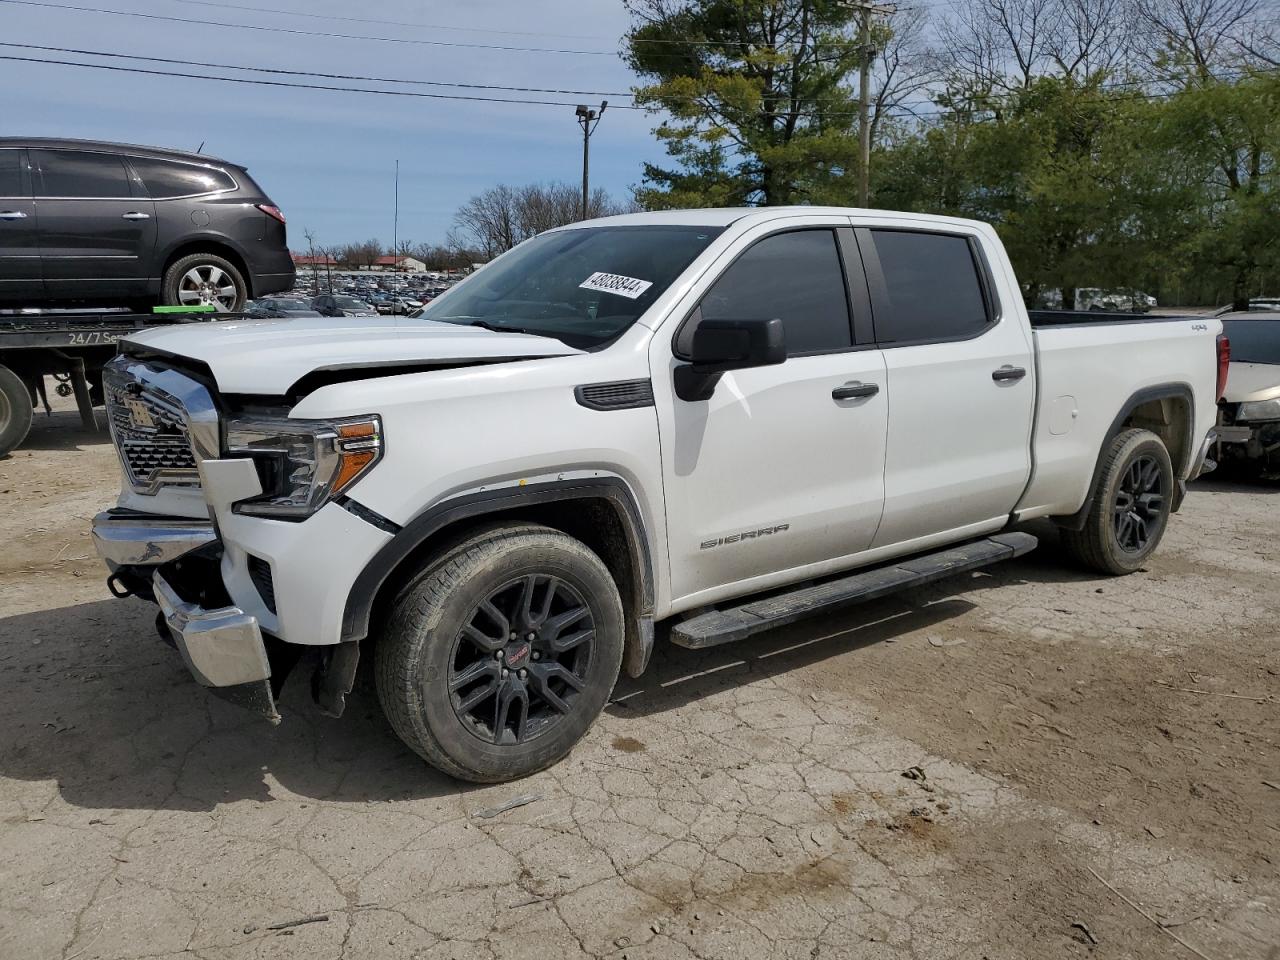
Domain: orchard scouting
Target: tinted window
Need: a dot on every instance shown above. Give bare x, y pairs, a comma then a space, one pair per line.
794, 276
11, 173
1253, 341
164, 179
932, 291
67, 173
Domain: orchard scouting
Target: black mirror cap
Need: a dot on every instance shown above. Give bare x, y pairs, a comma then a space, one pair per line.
720, 345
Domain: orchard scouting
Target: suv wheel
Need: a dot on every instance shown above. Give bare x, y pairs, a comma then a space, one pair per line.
15, 410
1130, 506
499, 657
204, 279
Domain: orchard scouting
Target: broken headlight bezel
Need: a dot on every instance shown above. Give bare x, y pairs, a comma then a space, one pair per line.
303, 464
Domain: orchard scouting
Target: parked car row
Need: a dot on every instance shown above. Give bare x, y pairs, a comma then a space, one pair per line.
1098, 300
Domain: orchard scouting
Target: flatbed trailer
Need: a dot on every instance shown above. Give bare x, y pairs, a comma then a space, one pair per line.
71, 347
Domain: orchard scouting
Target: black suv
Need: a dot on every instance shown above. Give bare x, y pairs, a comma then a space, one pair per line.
104, 224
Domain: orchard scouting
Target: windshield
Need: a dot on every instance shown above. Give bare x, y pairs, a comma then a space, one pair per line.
583, 286
1254, 341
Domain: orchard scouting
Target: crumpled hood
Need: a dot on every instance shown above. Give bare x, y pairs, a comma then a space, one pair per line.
1252, 381
268, 356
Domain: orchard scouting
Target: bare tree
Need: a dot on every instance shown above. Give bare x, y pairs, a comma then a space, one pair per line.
999, 45
1086, 37
497, 219
903, 70
1262, 46
1200, 36
491, 220
364, 254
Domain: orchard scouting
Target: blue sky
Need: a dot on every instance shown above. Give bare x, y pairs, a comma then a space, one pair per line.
328, 158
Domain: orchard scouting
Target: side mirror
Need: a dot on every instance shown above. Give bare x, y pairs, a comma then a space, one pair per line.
722, 345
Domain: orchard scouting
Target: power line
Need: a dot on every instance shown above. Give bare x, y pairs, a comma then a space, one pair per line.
344, 89
186, 62
902, 108
304, 33
299, 86
388, 23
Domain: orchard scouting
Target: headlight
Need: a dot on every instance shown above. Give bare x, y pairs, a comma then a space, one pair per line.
304, 463
1259, 410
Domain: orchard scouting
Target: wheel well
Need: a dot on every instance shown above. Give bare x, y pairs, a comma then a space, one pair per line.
209, 245
1167, 411
598, 522
1169, 418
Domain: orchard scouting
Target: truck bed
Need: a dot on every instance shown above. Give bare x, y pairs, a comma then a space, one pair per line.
1063, 318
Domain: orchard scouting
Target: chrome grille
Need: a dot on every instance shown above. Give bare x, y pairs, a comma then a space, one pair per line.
150, 433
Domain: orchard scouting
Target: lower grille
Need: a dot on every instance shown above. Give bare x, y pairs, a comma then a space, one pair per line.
260, 574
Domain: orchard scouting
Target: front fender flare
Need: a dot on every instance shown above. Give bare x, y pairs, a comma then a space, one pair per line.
369, 585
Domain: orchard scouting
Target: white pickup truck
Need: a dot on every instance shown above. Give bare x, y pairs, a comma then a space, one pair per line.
643, 419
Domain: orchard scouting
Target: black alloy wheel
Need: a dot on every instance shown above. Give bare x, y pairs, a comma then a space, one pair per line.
520, 663
499, 655
1139, 504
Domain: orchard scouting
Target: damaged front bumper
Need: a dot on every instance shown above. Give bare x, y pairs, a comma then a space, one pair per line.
222, 645
223, 649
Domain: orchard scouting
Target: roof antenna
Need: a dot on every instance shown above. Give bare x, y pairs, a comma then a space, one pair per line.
200, 149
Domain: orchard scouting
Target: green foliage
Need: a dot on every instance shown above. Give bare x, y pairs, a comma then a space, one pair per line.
1092, 180
760, 112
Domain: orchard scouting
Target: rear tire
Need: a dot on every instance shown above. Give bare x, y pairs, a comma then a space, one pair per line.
204, 279
501, 655
16, 411
1130, 510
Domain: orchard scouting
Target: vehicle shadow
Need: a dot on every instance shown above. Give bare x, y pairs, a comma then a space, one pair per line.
677, 676
94, 702
1237, 481
62, 430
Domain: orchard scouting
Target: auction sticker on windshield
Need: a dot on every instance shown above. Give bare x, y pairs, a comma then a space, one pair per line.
628, 287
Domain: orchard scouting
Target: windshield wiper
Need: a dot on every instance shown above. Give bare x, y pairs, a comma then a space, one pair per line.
490, 325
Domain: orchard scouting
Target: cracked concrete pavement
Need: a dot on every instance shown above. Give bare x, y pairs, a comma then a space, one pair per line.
1095, 774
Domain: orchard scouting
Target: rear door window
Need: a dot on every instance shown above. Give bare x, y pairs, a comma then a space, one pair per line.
75, 173
932, 289
165, 179
794, 276
11, 174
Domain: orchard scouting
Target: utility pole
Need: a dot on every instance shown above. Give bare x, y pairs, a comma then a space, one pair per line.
588, 119
395, 229
866, 9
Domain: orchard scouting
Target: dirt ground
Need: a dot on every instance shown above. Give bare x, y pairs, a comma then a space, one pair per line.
1094, 772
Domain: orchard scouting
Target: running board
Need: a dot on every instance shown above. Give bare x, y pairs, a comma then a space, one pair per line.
725, 626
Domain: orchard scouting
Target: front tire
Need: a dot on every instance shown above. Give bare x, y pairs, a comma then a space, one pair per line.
497, 660
204, 279
1130, 508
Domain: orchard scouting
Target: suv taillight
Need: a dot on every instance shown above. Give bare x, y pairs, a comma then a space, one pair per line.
1224, 363
271, 211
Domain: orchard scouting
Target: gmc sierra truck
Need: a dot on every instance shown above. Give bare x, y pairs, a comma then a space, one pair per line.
717, 420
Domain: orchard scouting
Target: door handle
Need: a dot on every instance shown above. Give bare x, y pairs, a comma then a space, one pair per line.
12, 215
135, 215
855, 389
1008, 372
